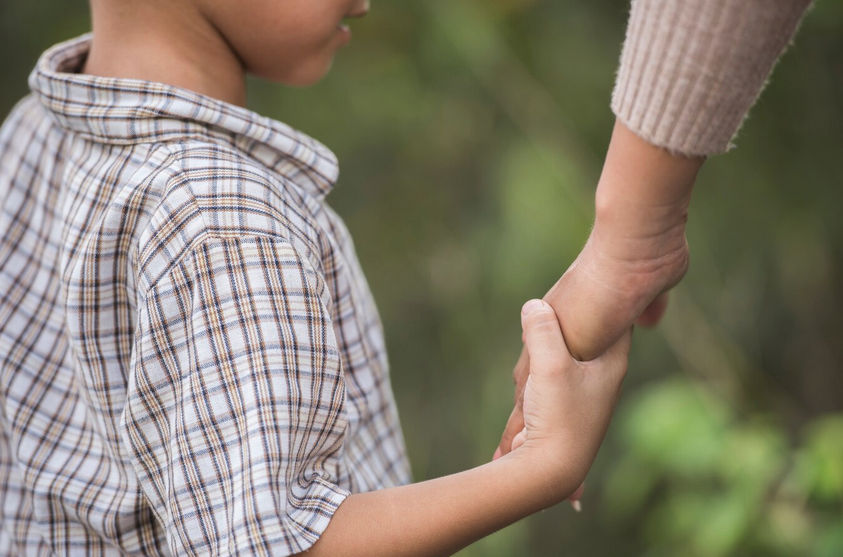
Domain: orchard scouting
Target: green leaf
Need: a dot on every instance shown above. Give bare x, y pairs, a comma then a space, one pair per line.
678, 426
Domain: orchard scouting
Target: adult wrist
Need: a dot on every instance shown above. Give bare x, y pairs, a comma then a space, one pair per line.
623, 200
644, 199
644, 192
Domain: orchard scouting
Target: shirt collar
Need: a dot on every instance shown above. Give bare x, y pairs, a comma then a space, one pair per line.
129, 111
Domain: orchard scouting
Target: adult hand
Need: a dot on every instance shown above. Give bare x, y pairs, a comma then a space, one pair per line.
637, 251
597, 289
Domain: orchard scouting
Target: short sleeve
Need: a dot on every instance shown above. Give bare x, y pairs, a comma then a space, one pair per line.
235, 416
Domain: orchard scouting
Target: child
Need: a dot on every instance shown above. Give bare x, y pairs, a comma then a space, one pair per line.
192, 362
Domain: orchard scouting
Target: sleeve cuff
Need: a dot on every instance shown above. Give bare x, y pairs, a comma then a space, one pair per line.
691, 69
310, 510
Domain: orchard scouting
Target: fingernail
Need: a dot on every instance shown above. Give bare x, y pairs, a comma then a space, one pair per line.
531, 306
577, 506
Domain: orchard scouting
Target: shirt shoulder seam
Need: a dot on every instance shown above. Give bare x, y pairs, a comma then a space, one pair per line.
208, 237
179, 174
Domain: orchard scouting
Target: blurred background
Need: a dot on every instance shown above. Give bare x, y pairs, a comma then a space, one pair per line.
470, 135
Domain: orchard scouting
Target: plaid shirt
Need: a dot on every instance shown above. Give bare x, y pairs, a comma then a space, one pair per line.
191, 361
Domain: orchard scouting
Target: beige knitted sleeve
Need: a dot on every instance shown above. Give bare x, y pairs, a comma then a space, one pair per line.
691, 69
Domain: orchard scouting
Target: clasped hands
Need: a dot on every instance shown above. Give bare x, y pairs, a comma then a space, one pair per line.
596, 302
635, 254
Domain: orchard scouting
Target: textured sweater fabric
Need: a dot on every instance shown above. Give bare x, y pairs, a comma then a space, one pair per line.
691, 69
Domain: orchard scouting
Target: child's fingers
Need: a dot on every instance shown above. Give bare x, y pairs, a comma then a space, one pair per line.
543, 335
652, 315
577, 495
617, 357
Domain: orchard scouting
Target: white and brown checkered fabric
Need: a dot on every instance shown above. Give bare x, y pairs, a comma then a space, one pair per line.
191, 362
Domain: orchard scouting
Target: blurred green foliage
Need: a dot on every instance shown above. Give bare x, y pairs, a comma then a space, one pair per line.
720, 484
470, 135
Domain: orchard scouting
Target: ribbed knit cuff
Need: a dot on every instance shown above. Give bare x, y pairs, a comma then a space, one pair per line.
691, 69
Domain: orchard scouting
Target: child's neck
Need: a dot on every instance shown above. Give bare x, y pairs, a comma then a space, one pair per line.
176, 46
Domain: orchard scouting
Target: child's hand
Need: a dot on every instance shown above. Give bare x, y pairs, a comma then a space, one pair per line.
567, 405
567, 409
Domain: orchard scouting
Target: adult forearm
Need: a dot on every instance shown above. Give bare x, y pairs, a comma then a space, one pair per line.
637, 248
439, 517
643, 196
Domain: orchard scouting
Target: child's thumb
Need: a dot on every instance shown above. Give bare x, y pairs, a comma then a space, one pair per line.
543, 337
519, 439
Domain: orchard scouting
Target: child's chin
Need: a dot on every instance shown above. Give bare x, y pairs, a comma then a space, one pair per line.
305, 76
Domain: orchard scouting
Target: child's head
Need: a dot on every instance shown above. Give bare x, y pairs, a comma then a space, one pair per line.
289, 41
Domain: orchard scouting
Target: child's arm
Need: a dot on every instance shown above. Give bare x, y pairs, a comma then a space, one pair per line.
567, 409
236, 420
441, 516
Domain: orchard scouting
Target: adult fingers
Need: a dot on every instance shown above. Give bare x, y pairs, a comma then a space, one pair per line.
513, 426
520, 373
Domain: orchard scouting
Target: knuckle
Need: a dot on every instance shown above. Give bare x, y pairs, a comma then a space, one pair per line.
542, 320
540, 314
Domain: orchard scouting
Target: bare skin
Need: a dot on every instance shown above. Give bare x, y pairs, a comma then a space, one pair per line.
567, 408
208, 46
637, 251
